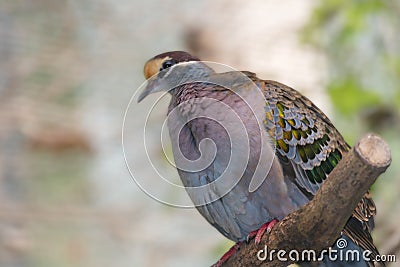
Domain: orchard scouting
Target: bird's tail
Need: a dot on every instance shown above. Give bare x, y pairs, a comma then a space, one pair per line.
359, 235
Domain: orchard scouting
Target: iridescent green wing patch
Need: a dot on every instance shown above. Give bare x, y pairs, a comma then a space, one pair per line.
309, 147
303, 135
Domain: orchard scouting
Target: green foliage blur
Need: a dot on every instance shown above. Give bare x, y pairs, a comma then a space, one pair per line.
362, 43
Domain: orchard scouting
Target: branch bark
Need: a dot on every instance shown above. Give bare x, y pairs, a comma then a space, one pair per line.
319, 223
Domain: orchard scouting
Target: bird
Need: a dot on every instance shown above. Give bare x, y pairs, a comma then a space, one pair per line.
264, 149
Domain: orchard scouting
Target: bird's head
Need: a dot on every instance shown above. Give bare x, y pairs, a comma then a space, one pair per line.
168, 70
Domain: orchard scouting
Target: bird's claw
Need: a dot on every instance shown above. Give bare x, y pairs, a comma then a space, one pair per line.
251, 235
257, 234
227, 255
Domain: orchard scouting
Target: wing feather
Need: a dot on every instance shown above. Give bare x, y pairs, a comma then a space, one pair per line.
308, 141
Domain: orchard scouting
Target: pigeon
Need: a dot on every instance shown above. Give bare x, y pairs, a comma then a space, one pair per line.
250, 151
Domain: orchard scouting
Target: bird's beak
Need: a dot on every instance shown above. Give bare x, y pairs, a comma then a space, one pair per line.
153, 86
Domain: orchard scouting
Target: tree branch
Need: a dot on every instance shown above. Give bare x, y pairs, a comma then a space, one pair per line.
319, 223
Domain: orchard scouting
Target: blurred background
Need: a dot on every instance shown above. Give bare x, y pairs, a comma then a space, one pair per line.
69, 68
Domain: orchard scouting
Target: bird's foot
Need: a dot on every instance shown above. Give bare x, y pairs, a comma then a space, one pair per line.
257, 234
227, 255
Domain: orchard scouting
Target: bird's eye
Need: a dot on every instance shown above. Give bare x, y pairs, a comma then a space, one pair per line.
168, 63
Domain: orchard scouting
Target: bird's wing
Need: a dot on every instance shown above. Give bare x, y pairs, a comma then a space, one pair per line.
309, 146
304, 135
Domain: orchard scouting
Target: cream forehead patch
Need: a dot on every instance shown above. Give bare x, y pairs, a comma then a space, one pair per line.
153, 66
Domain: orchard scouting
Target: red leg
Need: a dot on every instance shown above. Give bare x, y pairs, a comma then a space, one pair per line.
227, 255
257, 234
